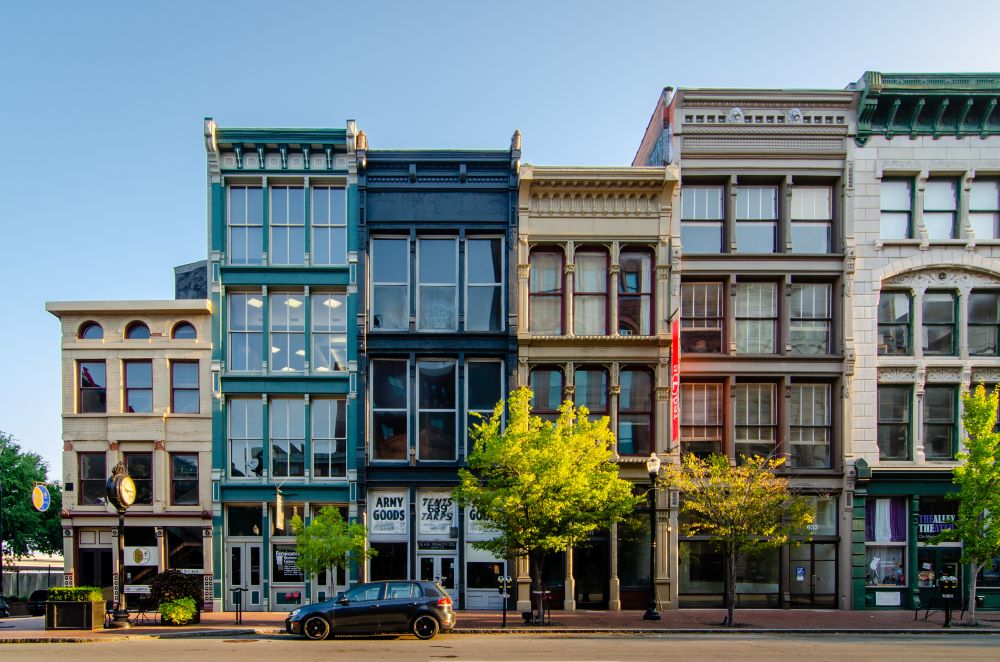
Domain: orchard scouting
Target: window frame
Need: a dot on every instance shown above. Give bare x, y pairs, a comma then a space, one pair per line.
774, 318
246, 443
697, 222
129, 389
580, 295
246, 334
375, 284
316, 334
720, 288
339, 443
907, 326
903, 421
721, 411
750, 222
649, 414
950, 422
288, 225
810, 222
141, 480
952, 325
908, 211
796, 423
442, 285
773, 426
645, 297
485, 413
953, 212
296, 405
282, 328
558, 294
592, 368
183, 326
174, 480
501, 284
247, 226
174, 388
975, 325
84, 330
547, 414
329, 226
976, 212
137, 327
81, 389
94, 483
373, 409
827, 318
454, 410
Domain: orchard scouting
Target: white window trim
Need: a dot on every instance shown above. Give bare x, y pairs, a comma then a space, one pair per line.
312, 333
272, 332
230, 439
502, 283
230, 225
271, 224
230, 331
271, 438
371, 412
373, 284
313, 224
313, 438
421, 284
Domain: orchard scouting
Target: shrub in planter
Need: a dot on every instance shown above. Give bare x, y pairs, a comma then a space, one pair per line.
76, 594
74, 608
170, 585
178, 612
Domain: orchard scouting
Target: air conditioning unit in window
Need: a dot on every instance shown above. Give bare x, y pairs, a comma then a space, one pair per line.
624, 332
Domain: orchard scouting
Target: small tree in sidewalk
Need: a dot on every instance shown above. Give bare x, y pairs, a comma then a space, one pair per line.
978, 481
745, 509
329, 542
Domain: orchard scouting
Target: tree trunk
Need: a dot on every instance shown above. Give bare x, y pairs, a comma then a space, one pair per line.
730, 586
976, 567
537, 559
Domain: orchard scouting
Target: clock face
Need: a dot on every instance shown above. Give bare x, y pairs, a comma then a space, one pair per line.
126, 490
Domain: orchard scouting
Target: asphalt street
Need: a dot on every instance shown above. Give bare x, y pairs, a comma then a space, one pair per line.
524, 648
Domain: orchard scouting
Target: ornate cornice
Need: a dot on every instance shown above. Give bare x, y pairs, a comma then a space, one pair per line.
576, 203
941, 277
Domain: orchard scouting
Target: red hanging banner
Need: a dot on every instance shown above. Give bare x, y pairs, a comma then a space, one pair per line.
675, 382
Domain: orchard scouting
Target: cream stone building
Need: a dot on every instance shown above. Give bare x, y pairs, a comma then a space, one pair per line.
593, 326
137, 389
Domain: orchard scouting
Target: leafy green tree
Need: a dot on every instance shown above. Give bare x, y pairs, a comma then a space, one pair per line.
978, 481
745, 509
328, 541
25, 530
543, 486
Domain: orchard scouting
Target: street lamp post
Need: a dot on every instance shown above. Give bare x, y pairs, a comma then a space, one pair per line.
653, 467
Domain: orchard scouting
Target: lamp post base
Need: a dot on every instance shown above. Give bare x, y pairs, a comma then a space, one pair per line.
651, 613
120, 620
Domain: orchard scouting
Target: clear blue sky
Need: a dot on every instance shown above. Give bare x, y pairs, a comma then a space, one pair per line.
102, 179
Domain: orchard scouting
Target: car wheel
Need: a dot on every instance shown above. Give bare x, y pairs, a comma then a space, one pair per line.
425, 627
316, 628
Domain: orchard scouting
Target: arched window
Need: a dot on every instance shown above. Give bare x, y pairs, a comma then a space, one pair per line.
545, 287
90, 331
184, 331
635, 412
137, 331
546, 384
590, 293
635, 293
591, 390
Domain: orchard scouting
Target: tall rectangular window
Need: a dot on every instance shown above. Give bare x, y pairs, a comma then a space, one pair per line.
885, 541
246, 337
940, 205
545, 293
635, 293
329, 225
590, 294
590, 390
437, 291
701, 418
329, 437
138, 387
756, 420
437, 383
756, 318
484, 387
185, 396
484, 268
895, 218
390, 272
811, 426
547, 392
940, 419
701, 219
329, 332
288, 225
939, 323
140, 468
984, 323
288, 332
812, 219
288, 435
984, 209
894, 324
635, 412
894, 422
92, 397
756, 219
246, 225
246, 437
811, 318
701, 317
184, 479
390, 395
93, 469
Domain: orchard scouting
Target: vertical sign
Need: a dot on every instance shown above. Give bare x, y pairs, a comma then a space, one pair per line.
675, 382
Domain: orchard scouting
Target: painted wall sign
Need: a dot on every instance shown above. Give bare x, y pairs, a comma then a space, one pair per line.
40, 498
142, 556
435, 512
477, 528
387, 514
675, 382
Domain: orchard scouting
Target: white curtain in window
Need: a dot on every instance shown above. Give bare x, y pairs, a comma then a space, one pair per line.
883, 529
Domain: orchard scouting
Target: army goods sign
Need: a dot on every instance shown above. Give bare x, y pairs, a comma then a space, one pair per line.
388, 514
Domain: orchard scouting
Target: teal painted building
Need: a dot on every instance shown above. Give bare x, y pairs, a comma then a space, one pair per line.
282, 210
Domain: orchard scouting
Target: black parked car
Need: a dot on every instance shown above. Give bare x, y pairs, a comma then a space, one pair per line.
36, 602
422, 608
4, 608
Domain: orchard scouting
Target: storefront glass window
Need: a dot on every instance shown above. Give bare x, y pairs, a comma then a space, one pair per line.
285, 565
390, 562
184, 548
483, 574
244, 520
702, 567
634, 550
885, 546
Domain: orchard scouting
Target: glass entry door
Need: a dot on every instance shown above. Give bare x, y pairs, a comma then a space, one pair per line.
243, 570
812, 574
327, 584
439, 568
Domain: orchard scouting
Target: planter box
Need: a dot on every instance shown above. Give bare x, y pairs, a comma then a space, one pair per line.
74, 615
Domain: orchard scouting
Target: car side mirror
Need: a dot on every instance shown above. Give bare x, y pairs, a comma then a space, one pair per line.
345, 601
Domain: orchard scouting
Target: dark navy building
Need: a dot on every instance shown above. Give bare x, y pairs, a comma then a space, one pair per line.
437, 342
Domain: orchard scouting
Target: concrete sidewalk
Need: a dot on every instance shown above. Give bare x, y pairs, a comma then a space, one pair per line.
801, 621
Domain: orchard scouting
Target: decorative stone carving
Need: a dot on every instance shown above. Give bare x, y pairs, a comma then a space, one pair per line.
523, 270
986, 376
615, 390
662, 272
735, 115
897, 375
559, 203
943, 375
662, 393
794, 116
942, 277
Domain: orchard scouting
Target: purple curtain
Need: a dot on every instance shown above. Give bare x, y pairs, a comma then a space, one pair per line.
897, 518
870, 520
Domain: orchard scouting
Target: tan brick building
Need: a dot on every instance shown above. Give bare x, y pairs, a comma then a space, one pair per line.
137, 388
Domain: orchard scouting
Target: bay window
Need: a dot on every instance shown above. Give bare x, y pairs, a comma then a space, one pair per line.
288, 433
437, 284
545, 293
390, 273
894, 422
940, 207
437, 384
245, 221
894, 323
288, 219
811, 318
810, 423
329, 225
895, 218
390, 395
939, 323
246, 338
635, 293
701, 317
484, 284
635, 412
288, 325
701, 418
329, 437
590, 293
329, 332
702, 219
756, 318
812, 219
756, 419
246, 437
756, 219
940, 422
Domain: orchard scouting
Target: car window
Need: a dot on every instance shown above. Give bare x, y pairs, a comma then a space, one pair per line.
396, 590
364, 592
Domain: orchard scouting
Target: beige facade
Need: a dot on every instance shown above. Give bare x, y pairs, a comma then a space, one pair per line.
137, 388
593, 297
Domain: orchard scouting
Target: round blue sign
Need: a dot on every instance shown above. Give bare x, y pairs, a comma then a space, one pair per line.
41, 498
